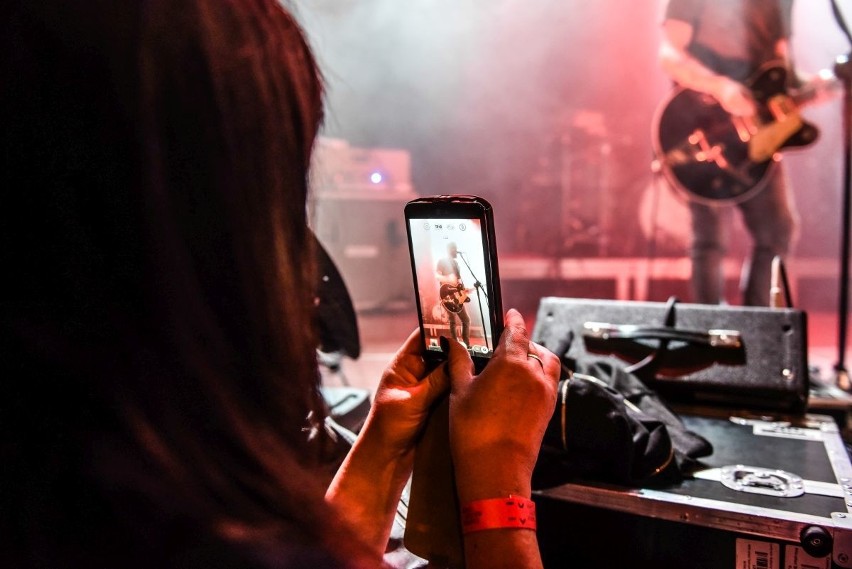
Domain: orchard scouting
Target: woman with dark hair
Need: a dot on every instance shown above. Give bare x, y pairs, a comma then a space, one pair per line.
160, 402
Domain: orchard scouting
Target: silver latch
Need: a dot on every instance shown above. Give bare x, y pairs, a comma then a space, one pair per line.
757, 480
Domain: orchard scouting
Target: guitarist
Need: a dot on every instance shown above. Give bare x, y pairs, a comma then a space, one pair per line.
713, 46
447, 273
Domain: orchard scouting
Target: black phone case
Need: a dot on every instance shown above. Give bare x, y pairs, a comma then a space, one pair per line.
450, 206
433, 527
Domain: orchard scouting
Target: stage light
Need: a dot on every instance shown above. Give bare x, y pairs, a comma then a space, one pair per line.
376, 178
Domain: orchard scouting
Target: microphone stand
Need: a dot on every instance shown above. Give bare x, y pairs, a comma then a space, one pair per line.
478, 286
843, 71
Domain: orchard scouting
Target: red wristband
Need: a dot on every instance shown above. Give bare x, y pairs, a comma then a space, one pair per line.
496, 513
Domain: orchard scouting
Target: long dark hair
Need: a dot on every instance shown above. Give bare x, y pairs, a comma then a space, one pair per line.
158, 337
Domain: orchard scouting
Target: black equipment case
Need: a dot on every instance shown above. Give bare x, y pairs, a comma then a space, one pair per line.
775, 494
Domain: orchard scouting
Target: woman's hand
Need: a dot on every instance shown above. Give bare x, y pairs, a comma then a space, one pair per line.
498, 418
367, 486
497, 423
404, 396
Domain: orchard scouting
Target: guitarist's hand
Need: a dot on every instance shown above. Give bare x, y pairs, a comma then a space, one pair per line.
734, 97
821, 87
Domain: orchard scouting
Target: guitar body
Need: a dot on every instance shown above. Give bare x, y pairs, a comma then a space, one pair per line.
453, 297
713, 157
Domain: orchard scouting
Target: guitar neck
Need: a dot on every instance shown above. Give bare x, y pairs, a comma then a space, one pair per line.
812, 90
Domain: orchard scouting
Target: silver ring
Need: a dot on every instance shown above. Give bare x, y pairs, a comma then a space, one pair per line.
534, 356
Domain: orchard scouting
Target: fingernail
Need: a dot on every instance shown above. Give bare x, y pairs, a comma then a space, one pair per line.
445, 343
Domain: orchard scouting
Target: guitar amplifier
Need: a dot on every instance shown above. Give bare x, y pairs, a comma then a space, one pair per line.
692, 354
364, 235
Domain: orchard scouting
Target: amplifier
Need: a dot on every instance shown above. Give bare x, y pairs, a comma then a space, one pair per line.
698, 354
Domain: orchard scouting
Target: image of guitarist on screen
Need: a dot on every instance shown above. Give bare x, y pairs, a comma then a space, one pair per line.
715, 48
453, 294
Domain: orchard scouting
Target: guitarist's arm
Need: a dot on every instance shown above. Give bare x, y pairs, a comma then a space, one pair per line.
820, 86
688, 72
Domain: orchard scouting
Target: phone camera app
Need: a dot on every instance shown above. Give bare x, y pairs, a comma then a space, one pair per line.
452, 283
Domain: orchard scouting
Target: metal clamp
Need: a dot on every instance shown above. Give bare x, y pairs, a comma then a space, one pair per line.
766, 481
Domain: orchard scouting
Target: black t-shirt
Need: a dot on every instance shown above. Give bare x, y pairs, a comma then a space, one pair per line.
448, 266
734, 37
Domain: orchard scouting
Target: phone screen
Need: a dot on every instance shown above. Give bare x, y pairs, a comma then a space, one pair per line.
452, 277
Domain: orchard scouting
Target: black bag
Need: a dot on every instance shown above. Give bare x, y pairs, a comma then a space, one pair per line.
609, 427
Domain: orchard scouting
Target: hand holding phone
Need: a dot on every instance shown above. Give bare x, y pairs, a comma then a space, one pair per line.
498, 420
457, 288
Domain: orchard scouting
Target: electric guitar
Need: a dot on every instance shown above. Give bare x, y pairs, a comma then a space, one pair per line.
712, 156
453, 297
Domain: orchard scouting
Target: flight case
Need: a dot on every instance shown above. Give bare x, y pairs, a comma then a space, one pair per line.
775, 494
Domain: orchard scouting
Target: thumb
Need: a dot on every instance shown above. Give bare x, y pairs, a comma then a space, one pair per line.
459, 364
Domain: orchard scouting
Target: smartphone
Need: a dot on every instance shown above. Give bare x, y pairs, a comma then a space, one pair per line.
456, 278
457, 288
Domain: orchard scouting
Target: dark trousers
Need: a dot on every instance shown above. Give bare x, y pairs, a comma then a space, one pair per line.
770, 218
465, 322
